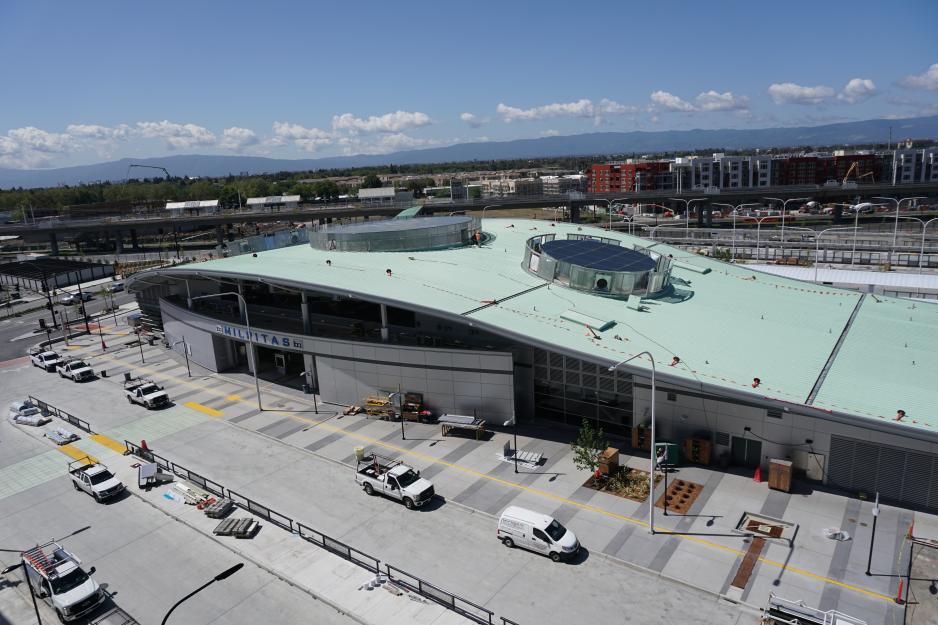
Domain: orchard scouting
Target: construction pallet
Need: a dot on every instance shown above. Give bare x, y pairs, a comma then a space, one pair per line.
239, 528
219, 509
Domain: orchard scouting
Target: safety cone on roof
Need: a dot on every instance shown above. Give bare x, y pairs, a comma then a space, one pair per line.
757, 476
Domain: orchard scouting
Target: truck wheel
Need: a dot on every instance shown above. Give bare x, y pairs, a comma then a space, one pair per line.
555, 556
76, 486
508, 542
409, 503
129, 400
369, 489
58, 613
147, 405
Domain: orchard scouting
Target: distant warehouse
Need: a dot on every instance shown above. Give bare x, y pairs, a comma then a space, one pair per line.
274, 202
384, 195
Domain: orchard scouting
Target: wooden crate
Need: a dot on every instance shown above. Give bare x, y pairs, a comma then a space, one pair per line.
641, 438
697, 450
780, 475
609, 461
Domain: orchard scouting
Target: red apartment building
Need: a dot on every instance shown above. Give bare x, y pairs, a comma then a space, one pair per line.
626, 177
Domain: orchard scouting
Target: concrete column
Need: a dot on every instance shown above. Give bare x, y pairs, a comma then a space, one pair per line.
574, 213
384, 323
54, 244
304, 310
77, 243
219, 235
309, 364
251, 352
133, 238
119, 242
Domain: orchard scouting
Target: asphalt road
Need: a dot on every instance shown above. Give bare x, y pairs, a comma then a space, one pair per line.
13, 343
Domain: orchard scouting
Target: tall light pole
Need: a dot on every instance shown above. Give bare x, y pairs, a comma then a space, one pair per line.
735, 210
817, 244
921, 254
895, 229
185, 352
651, 453
687, 204
785, 210
250, 340
869, 560
221, 576
758, 221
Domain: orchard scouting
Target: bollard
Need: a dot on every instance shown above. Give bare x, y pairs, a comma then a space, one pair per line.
103, 373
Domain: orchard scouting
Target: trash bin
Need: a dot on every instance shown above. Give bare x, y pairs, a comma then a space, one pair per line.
151, 341
127, 376
359, 453
307, 389
103, 373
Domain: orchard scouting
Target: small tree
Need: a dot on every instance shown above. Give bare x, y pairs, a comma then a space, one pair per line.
589, 444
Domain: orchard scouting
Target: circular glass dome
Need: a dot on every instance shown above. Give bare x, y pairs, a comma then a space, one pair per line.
599, 265
398, 235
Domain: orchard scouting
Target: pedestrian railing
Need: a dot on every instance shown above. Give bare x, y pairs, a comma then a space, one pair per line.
81, 424
447, 599
464, 607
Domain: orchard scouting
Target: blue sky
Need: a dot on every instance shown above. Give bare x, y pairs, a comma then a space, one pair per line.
91, 81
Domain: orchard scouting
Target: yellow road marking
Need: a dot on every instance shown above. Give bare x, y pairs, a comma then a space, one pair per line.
203, 409
233, 397
73, 347
110, 443
77, 454
535, 491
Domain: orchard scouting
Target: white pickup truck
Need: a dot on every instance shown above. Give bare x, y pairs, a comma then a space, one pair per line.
44, 359
95, 479
146, 393
56, 577
76, 370
393, 479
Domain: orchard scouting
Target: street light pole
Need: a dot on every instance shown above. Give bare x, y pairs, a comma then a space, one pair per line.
651, 453
817, 245
895, 229
185, 352
735, 210
921, 254
250, 340
785, 210
221, 576
869, 560
686, 211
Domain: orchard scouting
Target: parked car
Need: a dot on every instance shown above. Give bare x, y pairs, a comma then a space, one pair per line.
393, 479
114, 287
541, 533
146, 393
95, 479
68, 299
76, 370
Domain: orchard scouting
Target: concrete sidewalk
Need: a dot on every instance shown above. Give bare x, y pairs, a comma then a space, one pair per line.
699, 550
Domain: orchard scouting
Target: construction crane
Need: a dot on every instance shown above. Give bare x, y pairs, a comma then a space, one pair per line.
131, 166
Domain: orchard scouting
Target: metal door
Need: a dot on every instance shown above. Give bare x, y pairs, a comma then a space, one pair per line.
746, 452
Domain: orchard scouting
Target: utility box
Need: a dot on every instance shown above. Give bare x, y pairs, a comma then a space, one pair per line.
780, 475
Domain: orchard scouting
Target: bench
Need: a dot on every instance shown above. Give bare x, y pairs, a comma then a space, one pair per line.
528, 458
449, 422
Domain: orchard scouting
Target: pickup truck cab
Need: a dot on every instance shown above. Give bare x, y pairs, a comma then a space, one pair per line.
76, 370
45, 359
146, 393
393, 479
55, 576
95, 479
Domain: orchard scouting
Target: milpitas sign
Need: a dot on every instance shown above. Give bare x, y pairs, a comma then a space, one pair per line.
262, 337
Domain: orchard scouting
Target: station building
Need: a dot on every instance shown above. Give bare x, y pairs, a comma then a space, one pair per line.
532, 320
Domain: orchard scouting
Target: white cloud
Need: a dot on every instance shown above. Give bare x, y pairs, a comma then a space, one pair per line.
580, 108
473, 120
236, 139
549, 133
96, 132
671, 102
178, 136
32, 138
307, 139
858, 90
389, 122
728, 101
928, 80
611, 107
789, 92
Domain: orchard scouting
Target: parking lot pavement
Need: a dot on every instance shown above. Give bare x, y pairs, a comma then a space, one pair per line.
702, 551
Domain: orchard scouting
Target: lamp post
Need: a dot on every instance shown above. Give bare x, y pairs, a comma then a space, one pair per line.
687, 204
22, 565
869, 560
185, 352
514, 425
895, 229
250, 340
735, 210
758, 221
817, 244
651, 454
221, 576
921, 254
785, 210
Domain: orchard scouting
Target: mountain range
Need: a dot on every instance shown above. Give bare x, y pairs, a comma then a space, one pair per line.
599, 143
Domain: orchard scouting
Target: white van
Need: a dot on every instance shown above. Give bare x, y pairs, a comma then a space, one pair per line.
536, 532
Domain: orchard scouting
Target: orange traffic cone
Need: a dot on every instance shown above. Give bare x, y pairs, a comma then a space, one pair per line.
757, 476
899, 592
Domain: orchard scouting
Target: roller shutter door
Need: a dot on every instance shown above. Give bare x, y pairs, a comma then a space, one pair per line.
896, 473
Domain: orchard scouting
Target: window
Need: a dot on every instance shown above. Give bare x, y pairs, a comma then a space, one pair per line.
541, 535
774, 413
672, 396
